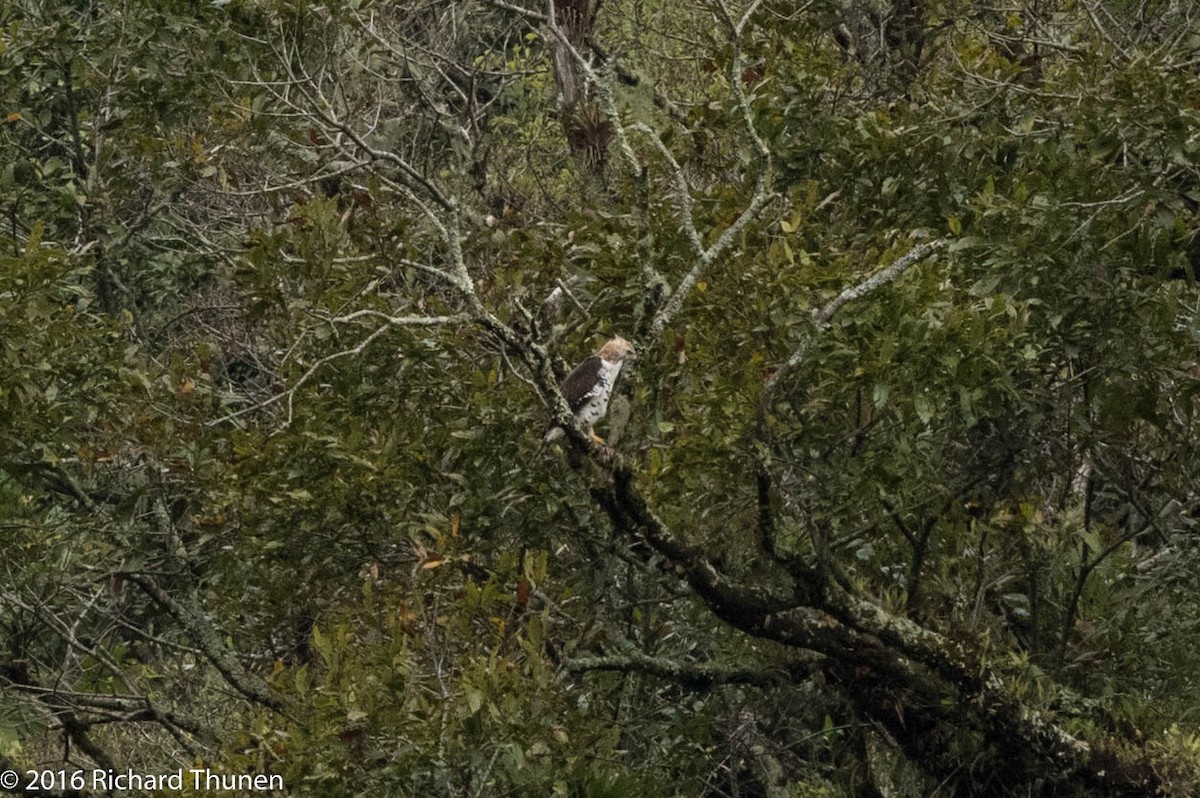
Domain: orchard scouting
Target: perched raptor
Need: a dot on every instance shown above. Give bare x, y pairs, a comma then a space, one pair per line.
589, 386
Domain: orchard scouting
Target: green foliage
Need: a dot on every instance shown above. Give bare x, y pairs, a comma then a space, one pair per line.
1000, 445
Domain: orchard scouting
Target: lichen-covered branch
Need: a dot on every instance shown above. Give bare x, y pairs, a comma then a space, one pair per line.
691, 675
884, 661
189, 615
683, 192
763, 189
736, 67
822, 316
761, 198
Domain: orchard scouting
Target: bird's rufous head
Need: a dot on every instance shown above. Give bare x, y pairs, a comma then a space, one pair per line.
616, 349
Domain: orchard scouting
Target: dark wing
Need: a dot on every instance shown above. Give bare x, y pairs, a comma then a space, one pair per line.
581, 383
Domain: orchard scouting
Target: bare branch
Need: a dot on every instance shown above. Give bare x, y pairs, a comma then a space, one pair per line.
528, 13
683, 193
822, 316
389, 322
402, 321
736, 70
1104, 34
762, 197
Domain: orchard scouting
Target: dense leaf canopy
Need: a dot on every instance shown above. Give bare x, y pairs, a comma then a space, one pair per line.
899, 498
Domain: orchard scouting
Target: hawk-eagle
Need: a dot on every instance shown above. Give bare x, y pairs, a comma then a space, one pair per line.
589, 386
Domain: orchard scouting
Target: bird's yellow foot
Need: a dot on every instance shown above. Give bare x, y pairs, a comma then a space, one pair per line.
598, 439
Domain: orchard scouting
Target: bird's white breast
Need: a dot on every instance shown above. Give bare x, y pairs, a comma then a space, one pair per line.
597, 401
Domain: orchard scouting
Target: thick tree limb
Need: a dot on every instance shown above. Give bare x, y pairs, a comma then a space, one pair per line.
885, 661
693, 676
191, 618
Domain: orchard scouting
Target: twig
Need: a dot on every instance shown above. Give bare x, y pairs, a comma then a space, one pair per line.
1091, 12
389, 321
